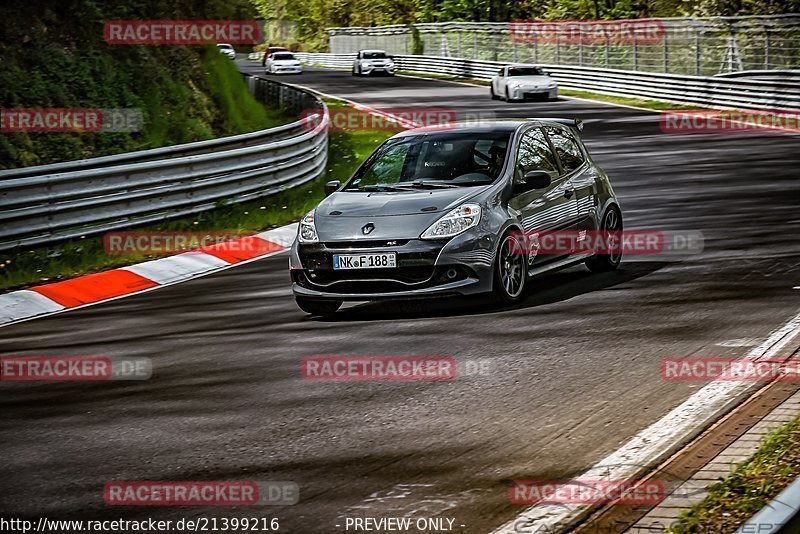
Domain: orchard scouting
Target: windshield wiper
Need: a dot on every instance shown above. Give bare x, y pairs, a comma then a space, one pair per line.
421, 184
378, 188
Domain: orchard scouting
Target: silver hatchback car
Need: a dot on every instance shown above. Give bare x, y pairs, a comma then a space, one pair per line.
455, 210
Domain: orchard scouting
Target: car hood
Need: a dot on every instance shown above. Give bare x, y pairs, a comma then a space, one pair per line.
395, 215
531, 80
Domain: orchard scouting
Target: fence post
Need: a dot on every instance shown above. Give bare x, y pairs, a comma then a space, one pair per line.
635, 51
606, 45
474, 44
580, 44
766, 48
697, 52
458, 43
558, 46
666, 52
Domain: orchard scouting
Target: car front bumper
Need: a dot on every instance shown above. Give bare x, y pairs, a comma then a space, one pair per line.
375, 69
461, 266
288, 70
524, 93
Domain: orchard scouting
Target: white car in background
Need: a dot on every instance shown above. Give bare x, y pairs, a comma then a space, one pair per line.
283, 63
373, 62
521, 82
227, 49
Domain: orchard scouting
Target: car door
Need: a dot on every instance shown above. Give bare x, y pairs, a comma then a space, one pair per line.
579, 174
543, 211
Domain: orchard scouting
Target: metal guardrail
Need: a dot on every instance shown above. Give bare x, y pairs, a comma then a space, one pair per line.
50, 203
684, 45
781, 516
703, 91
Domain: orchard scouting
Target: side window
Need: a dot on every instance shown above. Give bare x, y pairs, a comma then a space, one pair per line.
534, 154
566, 147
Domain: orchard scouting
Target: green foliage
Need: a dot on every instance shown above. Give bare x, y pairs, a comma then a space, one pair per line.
313, 16
54, 56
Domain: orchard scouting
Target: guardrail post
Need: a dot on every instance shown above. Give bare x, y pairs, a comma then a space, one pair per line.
666, 52
766, 48
607, 51
474, 44
635, 51
458, 44
580, 45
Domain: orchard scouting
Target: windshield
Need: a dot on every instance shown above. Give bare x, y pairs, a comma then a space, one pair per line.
525, 71
225, 46
282, 56
433, 161
374, 55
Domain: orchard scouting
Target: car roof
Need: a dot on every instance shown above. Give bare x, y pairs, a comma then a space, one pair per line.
373, 50
525, 65
500, 126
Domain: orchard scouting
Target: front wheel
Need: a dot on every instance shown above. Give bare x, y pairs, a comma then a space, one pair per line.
510, 270
491, 92
318, 307
611, 228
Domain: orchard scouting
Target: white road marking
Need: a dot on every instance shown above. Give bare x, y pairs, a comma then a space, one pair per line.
655, 443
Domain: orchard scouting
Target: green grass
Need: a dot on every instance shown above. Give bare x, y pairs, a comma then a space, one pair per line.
751, 486
81, 256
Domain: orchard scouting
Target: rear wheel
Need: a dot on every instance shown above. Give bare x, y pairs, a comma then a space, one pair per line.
318, 307
612, 223
491, 92
510, 270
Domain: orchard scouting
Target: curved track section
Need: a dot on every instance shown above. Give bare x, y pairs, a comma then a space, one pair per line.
574, 367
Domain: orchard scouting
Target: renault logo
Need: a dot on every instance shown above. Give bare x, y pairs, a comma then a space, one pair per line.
367, 228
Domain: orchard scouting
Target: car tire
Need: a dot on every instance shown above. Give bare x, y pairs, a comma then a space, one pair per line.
510, 270
599, 263
491, 92
354, 72
508, 96
318, 307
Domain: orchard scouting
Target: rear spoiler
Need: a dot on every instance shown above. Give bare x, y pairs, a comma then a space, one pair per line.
572, 123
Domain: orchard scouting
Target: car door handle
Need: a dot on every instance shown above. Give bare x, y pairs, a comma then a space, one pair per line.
569, 192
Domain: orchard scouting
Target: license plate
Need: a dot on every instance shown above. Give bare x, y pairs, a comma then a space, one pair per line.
365, 261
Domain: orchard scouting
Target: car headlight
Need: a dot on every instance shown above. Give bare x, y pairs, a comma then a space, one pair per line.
453, 223
307, 232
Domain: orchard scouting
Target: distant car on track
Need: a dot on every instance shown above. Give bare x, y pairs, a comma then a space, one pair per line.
373, 62
283, 63
227, 50
443, 211
271, 50
521, 82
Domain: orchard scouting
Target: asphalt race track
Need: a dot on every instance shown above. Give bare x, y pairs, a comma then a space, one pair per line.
574, 368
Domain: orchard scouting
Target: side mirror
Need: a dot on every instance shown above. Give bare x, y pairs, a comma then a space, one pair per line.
533, 180
331, 187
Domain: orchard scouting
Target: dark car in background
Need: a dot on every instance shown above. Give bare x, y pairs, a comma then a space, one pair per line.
448, 211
